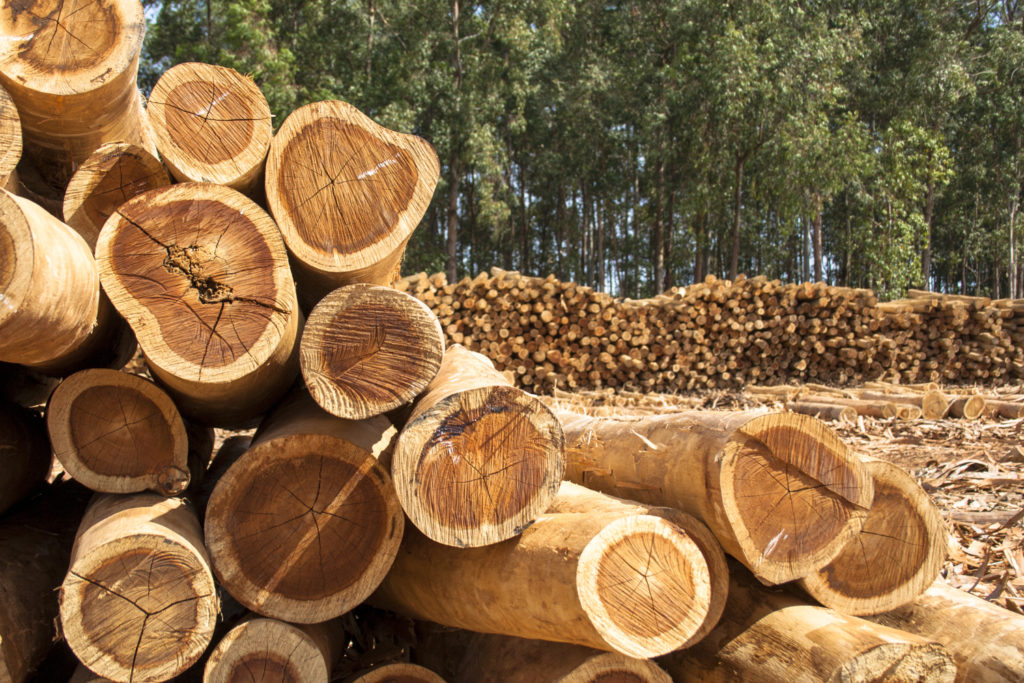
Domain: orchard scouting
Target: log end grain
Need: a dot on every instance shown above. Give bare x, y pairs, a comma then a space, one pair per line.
276, 650
398, 672
118, 433
211, 124
368, 349
10, 140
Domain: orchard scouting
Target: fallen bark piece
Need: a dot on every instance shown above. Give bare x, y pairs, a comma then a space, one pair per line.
770, 636
780, 491
613, 579
138, 602
113, 174
368, 349
347, 194
201, 274
116, 432
24, 454
94, 47
895, 557
478, 459
275, 651
985, 640
211, 125
304, 526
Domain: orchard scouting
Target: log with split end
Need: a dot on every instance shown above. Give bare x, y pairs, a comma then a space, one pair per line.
211, 125
478, 459
618, 578
304, 526
367, 349
201, 274
138, 602
275, 651
347, 194
780, 491
894, 558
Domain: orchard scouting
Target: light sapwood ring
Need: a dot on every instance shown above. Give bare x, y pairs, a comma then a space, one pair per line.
367, 349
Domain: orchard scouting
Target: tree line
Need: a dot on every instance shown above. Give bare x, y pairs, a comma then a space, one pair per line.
633, 146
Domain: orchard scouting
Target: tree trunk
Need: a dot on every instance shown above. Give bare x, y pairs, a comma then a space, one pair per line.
818, 250
728, 469
95, 49
658, 243
201, 275
347, 194
699, 270
585, 578
277, 650
54, 318
10, 142
212, 125
985, 640
368, 349
112, 175
737, 205
138, 602
771, 637
452, 218
926, 253
903, 532
25, 452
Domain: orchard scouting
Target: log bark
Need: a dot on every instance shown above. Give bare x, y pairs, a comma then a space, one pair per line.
986, 641
894, 558
10, 142
113, 174
277, 651
115, 432
95, 49
397, 672
347, 194
138, 602
53, 316
201, 275
780, 491
824, 411
35, 544
304, 526
368, 349
771, 637
478, 459
25, 457
1006, 409
622, 578
211, 125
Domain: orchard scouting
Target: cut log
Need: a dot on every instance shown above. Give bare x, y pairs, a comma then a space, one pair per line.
94, 47
200, 273
1006, 409
824, 411
478, 459
398, 672
517, 660
24, 386
882, 409
368, 349
780, 491
35, 544
211, 125
305, 525
138, 602
347, 194
986, 641
116, 432
54, 317
113, 174
771, 637
933, 404
10, 142
967, 407
895, 557
277, 651
614, 579
25, 457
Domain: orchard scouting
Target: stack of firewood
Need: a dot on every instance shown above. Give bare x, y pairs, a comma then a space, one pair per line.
390, 470
720, 334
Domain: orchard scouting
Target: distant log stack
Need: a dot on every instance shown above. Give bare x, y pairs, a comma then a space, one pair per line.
201, 275
304, 526
347, 194
212, 125
94, 100
24, 453
368, 349
478, 459
54, 317
10, 142
780, 491
138, 602
113, 174
278, 651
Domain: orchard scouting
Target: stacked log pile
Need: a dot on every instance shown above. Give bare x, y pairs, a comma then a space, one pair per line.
720, 334
388, 469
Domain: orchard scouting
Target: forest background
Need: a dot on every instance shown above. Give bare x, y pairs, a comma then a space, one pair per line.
635, 146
